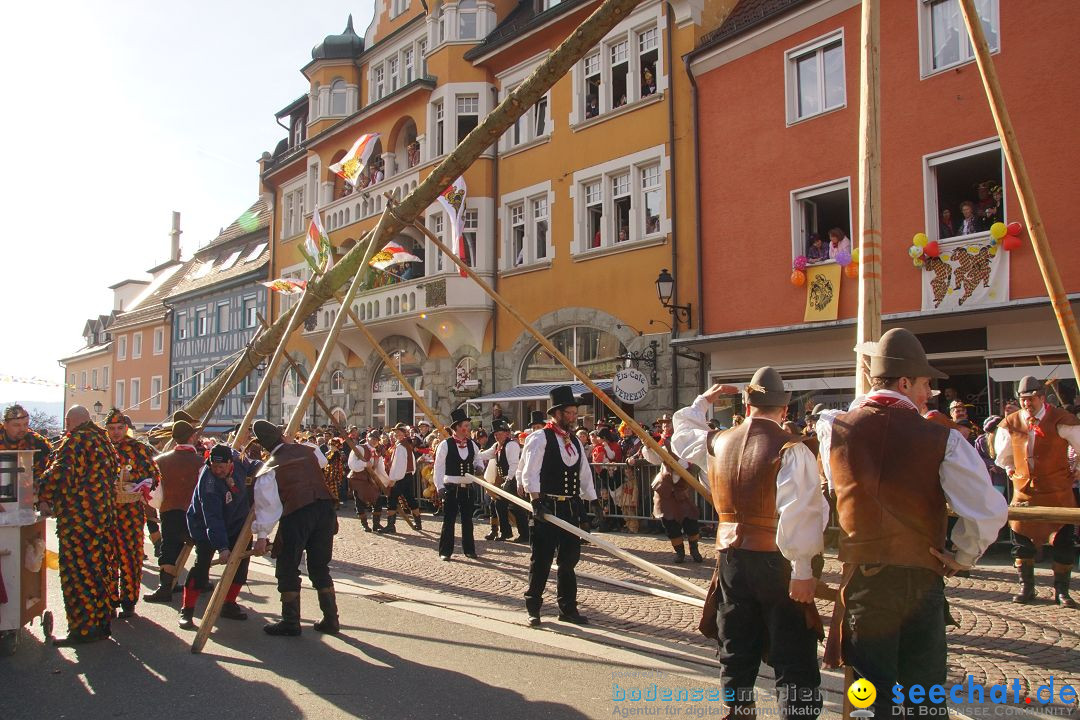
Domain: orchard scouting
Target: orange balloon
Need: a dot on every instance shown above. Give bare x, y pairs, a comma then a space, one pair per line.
798, 278
851, 270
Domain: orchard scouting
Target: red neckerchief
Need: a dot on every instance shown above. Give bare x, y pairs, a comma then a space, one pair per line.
188, 448
888, 401
461, 443
562, 434
1033, 426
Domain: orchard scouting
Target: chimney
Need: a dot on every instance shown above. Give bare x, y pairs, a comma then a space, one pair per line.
174, 234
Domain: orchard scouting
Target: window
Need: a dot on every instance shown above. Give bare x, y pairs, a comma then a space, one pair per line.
815, 78
626, 68
136, 388
93, 380
620, 202
620, 194
202, 323
392, 71
817, 212
251, 310
222, 318
337, 382
437, 225
528, 239
442, 23
398, 7
181, 326
944, 37
155, 392
422, 50
159, 341
470, 224
377, 83
121, 347
517, 235
104, 377
532, 125
594, 211
71, 382
440, 129
620, 73
136, 345
650, 190
539, 117
648, 53
592, 86
82, 380
548, 4
337, 97
596, 352
408, 64
964, 193
293, 209
468, 115
297, 131
466, 19
118, 396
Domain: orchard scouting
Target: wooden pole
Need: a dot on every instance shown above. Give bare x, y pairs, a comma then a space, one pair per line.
1010, 145
869, 321
547, 345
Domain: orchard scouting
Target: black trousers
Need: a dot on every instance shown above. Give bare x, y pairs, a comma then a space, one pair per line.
403, 488
1062, 550
309, 529
756, 615
204, 555
894, 632
174, 535
458, 500
362, 508
675, 529
551, 543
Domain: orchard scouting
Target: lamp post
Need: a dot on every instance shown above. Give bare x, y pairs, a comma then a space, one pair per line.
646, 357
98, 407
665, 288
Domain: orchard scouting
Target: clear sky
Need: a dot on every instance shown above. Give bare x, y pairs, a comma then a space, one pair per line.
119, 112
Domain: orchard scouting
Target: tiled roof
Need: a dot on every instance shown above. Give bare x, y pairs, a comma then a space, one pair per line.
87, 351
255, 218
247, 238
746, 15
520, 20
150, 307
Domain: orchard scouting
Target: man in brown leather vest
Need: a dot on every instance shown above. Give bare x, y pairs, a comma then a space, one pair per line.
291, 485
772, 516
180, 468
892, 472
1032, 445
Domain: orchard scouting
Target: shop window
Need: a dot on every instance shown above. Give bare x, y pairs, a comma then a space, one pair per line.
595, 352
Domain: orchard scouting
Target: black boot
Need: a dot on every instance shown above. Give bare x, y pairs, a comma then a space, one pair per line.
694, 552
164, 592
364, 523
1061, 585
680, 554
186, 618
391, 526
494, 529
290, 617
328, 605
416, 521
1026, 571
127, 609
376, 522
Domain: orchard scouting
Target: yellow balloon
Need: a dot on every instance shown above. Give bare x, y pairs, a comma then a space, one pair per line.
855, 255
998, 230
920, 240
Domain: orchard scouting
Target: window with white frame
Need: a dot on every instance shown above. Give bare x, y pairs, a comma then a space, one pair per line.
540, 117
71, 382
625, 69
293, 209
815, 77
397, 7
532, 125
136, 345
93, 379
548, 4
440, 128
620, 203
469, 226
118, 395
528, 239
251, 310
593, 84
222, 319
136, 392
648, 55
377, 83
965, 191
408, 64
202, 323
82, 380
337, 98
392, 71
155, 392
437, 225
121, 347
181, 326
944, 37
337, 382
468, 115
105, 377
466, 19
298, 131
619, 54
594, 213
422, 51
517, 234
159, 341
651, 196
818, 214
178, 385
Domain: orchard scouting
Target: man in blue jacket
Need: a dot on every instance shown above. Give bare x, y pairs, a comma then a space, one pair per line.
219, 507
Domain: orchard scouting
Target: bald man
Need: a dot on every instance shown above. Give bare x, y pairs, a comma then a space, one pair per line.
79, 488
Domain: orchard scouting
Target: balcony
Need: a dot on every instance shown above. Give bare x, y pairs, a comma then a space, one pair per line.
366, 202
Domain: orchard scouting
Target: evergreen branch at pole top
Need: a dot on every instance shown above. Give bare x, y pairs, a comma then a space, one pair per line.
583, 39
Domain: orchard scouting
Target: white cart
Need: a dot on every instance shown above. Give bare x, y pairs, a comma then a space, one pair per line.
21, 530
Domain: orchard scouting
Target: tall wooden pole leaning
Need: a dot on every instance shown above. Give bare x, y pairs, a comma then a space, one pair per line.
869, 321
547, 345
1018, 171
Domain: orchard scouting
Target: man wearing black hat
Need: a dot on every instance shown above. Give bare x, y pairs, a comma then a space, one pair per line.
403, 476
557, 476
772, 516
506, 452
291, 485
893, 473
455, 457
219, 507
1032, 445
180, 468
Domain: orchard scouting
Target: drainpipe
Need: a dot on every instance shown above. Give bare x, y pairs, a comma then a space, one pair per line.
494, 251
697, 215
673, 164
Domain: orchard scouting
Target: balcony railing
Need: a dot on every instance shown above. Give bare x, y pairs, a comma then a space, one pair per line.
366, 202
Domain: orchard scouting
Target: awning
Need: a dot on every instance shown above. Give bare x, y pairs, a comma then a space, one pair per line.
538, 391
1042, 372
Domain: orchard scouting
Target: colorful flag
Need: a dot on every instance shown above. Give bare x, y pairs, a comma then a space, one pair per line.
318, 245
453, 201
286, 286
392, 254
349, 167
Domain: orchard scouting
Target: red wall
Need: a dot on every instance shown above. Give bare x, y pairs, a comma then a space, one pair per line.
750, 161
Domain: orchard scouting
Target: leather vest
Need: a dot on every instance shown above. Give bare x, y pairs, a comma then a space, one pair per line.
1047, 473
300, 480
179, 475
742, 478
455, 465
885, 464
556, 477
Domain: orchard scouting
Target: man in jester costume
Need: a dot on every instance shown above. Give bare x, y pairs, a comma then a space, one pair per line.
15, 434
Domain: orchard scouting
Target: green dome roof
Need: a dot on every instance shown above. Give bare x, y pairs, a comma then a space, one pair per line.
346, 45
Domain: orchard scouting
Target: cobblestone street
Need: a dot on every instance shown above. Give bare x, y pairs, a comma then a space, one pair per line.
995, 642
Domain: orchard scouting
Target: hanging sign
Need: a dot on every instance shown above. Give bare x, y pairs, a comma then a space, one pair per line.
630, 386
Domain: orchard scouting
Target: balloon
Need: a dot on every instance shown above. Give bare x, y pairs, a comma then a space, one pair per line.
1014, 229
920, 240
798, 278
932, 249
998, 230
843, 258
914, 251
800, 263
855, 255
852, 271
917, 262
1010, 243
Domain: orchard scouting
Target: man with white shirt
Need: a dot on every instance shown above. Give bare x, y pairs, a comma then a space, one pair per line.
365, 490
1032, 445
455, 458
506, 452
557, 476
893, 472
772, 517
403, 478
291, 486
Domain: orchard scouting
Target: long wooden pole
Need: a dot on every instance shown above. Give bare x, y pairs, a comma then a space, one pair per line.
869, 321
593, 387
1010, 144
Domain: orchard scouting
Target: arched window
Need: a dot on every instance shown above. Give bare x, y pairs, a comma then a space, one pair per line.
592, 350
337, 382
337, 98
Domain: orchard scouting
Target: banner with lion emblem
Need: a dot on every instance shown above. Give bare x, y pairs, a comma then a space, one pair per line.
966, 276
822, 292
